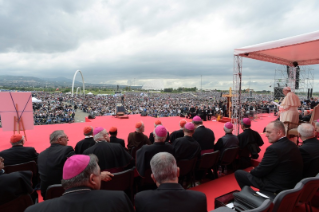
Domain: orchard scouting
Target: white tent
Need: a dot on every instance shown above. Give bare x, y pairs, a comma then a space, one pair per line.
292, 51
303, 49
89, 93
35, 100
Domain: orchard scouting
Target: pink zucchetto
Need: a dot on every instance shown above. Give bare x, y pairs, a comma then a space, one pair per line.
189, 126
229, 125
97, 130
74, 165
197, 118
160, 131
246, 121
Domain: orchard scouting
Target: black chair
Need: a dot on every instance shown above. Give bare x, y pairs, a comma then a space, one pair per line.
186, 169
228, 157
266, 206
146, 182
28, 166
208, 161
310, 187
17, 205
122, 181
54, 191
287, 199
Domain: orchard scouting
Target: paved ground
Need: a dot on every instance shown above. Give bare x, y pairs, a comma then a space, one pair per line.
80, 116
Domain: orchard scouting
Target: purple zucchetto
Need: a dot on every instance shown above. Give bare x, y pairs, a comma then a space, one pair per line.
97, 130
161, 131
189, 126
228, 125
74, 165
197, 118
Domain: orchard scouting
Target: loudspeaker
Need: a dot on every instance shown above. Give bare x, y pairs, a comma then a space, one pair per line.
297, 77
278, 93
119, 109
91, 116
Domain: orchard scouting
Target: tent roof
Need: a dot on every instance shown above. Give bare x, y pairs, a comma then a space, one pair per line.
302, 49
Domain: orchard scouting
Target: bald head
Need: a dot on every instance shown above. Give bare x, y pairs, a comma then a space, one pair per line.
274, 131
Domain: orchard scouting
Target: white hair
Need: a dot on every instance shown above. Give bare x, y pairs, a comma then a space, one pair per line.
100, 135
306, 130
227, 130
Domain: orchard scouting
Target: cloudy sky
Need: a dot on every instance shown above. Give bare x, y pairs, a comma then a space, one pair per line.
180, 42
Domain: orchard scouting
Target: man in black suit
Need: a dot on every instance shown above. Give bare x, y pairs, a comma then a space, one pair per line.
228, 140
309, 150
82, 182
169, 196
112, 157
151, 137
204, 136
113, 138
51, 160
146, 152
18, 153
87, 142
281, 167
249, 143
187, 148
202, 113
178, 133
14, 184
192, 112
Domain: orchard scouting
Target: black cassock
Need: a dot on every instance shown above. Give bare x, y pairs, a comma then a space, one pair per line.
50, 165
176, 134
146, 152
249, 143
84, 144
14, 184
110, 155
186, 148
85, 199
18, 154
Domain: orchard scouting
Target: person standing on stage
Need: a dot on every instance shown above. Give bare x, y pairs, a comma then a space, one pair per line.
289, 107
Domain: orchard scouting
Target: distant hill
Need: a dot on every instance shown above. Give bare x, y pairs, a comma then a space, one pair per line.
27, 81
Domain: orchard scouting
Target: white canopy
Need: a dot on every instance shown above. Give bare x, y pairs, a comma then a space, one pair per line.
36, 100
303, 49
89, 93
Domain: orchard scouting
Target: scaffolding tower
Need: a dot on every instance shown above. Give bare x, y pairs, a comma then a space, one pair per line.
236, 93
302, 76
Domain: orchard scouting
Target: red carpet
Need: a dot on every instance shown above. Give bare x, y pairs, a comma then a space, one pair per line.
39, 138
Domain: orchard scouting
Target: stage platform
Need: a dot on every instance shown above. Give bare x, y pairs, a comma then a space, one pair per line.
39, 136
39, 139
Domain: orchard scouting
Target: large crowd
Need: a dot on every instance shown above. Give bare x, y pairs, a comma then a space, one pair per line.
61, 108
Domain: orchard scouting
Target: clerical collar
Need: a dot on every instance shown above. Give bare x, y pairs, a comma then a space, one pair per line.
199, 125
100, 141
281, 138
90, 136
77, 189
2, 171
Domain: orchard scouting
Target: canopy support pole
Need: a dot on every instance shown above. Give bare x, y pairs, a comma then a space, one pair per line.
236, 99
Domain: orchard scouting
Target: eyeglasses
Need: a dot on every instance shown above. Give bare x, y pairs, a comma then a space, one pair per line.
64, 137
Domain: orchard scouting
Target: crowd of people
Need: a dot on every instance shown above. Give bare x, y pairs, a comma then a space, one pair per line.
96, 158
61, 108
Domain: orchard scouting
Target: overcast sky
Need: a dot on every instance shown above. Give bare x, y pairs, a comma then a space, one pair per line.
135, 41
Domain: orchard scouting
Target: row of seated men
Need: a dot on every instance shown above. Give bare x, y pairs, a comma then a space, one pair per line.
282, 159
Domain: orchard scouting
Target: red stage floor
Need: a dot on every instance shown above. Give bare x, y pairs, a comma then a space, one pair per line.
39, 136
